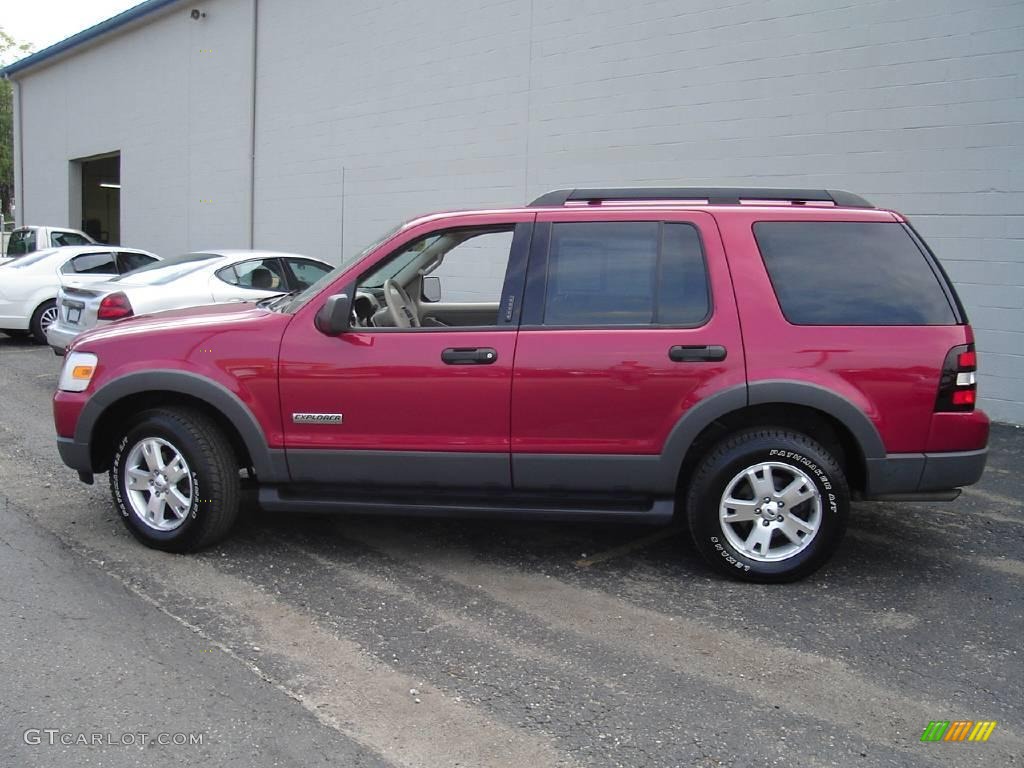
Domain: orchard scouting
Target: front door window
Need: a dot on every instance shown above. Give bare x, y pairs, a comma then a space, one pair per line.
469, 266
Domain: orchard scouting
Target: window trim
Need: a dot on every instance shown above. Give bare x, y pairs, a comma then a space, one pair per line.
926, 255
537, 280
225, 268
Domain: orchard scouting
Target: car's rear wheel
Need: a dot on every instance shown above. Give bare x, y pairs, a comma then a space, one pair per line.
768, 505
44, 316
174, 480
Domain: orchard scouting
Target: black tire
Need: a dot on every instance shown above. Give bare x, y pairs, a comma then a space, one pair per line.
213, 484
35, 326
779, 448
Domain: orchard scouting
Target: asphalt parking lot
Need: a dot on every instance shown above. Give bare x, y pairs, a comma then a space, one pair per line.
405, 642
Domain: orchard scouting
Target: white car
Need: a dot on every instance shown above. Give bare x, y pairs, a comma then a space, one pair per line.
210, 277
29, 284
24, 240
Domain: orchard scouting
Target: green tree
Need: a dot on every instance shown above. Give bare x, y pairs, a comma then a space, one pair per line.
10, 49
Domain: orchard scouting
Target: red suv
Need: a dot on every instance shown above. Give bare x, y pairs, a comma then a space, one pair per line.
751, 358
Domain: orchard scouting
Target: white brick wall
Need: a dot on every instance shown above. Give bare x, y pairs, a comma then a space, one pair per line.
173, 96
371, 111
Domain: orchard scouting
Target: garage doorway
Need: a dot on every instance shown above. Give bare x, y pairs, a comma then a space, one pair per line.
98, 182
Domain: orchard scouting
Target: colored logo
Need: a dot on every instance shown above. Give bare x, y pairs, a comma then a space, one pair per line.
958, 730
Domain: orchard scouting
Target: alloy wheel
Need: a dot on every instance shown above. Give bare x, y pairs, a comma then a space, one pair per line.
158, 484
770, 511
48, 318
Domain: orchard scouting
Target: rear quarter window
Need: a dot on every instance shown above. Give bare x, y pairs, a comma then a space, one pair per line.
851, 273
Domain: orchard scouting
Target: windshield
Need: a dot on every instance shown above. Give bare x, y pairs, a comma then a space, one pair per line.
292, 303
162, 272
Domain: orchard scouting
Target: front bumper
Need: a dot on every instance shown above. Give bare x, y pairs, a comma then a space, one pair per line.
77, 456
922, 473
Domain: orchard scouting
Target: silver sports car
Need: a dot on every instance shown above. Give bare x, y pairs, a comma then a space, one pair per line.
211, 277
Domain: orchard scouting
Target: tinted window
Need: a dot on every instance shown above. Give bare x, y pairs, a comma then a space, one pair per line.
22, 241
128, 261
683, 296
625, 273
67, 238
851, 273
91, 264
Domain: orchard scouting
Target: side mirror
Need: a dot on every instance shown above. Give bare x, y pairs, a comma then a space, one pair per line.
431, 289
335, 316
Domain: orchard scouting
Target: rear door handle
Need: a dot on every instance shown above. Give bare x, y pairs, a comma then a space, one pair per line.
469, 356
686, 353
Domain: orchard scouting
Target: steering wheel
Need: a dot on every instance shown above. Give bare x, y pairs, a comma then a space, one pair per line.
399, 304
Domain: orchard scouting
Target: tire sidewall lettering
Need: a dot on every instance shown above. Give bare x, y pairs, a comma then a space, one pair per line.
829, 492
805, 463
194, 511
728, 557
117, 469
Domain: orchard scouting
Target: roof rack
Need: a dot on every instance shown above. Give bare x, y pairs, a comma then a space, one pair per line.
714, 195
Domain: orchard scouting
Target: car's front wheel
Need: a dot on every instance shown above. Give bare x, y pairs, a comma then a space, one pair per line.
768, 505
174, 480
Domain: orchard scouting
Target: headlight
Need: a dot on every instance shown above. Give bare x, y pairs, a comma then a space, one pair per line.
77, 372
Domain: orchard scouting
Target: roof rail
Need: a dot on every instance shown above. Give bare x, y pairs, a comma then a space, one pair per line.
714, 195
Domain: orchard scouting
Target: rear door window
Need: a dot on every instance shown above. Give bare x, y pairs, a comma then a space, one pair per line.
851, 273
625, 273
99, 263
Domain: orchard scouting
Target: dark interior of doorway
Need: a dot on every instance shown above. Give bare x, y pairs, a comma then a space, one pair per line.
101, 198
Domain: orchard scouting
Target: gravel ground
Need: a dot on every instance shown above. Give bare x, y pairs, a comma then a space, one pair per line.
359, 641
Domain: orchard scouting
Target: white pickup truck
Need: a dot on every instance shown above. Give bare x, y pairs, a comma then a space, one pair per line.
29, 239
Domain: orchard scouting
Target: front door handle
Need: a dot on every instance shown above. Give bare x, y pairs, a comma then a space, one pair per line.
707, 353
469, 356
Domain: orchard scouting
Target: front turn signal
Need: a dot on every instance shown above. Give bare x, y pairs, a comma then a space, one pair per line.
78, 370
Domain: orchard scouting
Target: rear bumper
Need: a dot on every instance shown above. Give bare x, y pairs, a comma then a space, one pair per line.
923, 472
58, 337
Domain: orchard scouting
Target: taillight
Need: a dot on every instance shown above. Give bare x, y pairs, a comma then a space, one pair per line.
958, 387
114, 307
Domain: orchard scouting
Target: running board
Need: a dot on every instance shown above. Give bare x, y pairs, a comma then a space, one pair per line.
950, 495
284, 499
